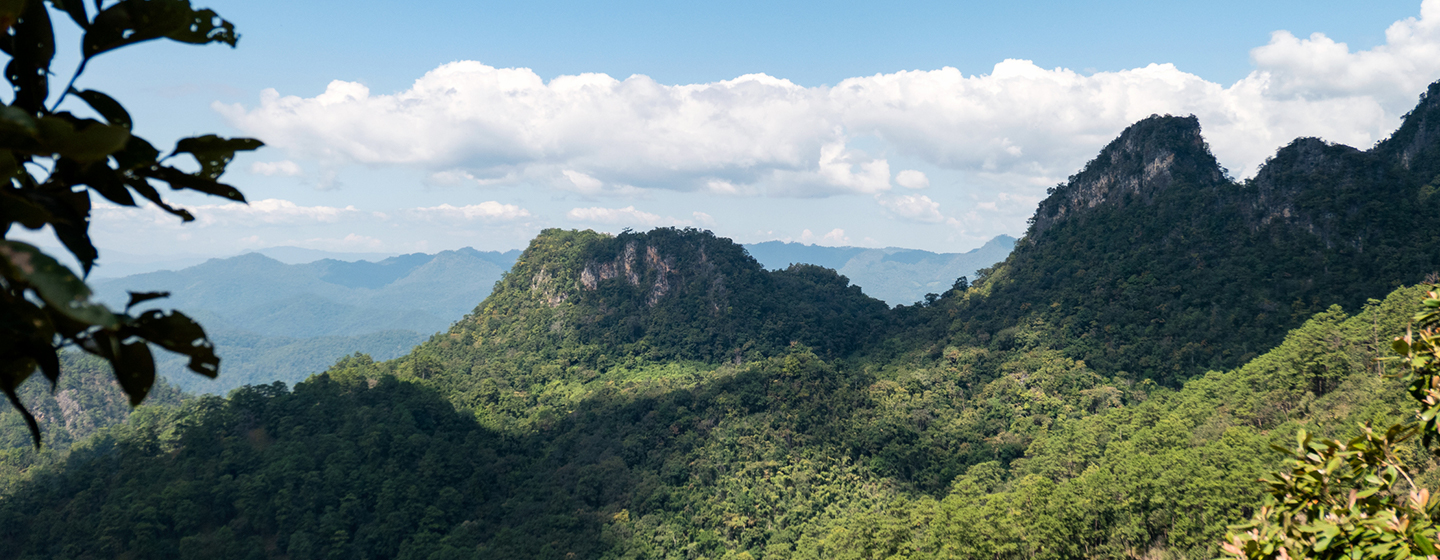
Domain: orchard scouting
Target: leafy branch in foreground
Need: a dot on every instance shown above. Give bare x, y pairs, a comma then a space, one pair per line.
1355, 499
51, 161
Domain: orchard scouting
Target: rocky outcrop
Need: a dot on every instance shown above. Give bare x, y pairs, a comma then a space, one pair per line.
630, 266
1148, 158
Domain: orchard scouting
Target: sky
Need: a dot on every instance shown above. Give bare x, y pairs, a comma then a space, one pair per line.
395, 128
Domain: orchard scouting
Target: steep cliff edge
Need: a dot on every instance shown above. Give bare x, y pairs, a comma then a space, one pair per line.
1149, 158
580, 301
1151, 262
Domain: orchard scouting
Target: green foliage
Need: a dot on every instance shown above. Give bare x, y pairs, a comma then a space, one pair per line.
46, 153
1185, 271
790, 456
1349, 499
660, 395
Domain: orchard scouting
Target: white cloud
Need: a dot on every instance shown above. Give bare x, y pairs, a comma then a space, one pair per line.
489, 210
270, 212
703, 218
912, 179
916, 207
283, 168
617, 216
836, 237
1020, 125
351, 242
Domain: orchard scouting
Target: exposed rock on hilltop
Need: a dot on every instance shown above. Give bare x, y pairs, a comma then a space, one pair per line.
1151, 262
1148, 158
588, 299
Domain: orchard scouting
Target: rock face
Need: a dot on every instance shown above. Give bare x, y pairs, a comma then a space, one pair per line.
1151, 250
1148, 158
675, 293
626, 265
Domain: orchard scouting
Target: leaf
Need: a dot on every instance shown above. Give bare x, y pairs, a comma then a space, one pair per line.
147, 191
137, 154
99, 177
10, 11
55, 284
16, 209
18, 129
8, 386
106, 106
214, 152
141, 297
1425, 545
133, 21
181, 180
133, 364
76, 10
83, 140
177, 333
32, 50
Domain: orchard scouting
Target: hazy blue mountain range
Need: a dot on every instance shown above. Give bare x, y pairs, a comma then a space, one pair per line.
894, 275
278, 321
285, 312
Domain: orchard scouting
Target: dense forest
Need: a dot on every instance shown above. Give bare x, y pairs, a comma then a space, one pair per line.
1110, 390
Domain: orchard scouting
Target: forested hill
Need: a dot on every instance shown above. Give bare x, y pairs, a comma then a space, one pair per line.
661, 395
580, 301
1152, 264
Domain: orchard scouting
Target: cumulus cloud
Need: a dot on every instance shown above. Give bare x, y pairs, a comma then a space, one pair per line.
284, 168
269, 212
1019, 124
917, 207
912, 179
351, 242
489, 210
617, 216
836, 237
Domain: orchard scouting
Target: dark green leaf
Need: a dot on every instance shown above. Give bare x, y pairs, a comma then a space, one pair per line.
83, 140
214, 152
31, 52
8, 384
54, 283
141, 297
177, 333
76, 10
141, 186
136, 154
107, 106
133, 364
10, 11
98, 176
16, 209
133, 21
181, 180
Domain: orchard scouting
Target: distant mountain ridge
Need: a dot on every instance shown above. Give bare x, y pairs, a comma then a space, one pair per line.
896, 275
663, 395
1151, 262
276, 321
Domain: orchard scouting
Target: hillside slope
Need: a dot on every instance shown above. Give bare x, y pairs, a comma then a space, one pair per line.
1108, 391
1151, 262
273, 321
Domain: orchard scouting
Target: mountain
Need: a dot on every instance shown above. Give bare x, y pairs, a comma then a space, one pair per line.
277, 321
894, 275
1109, 390
1151, 262
584, 298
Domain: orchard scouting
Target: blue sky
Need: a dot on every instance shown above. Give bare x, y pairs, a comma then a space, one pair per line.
932, 125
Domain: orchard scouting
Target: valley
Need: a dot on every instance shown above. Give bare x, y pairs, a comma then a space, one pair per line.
1108, 389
